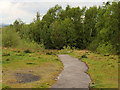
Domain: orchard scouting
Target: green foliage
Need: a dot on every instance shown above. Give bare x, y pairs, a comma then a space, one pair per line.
106, 48
44, 86
6, 54
93, 45
5, 87
27, 51
107, 40
66, 50
50, 53
6, 61
89, 24
10, 38
94, 28
19, 54
57, 35
63, 33
27, 44
83, 56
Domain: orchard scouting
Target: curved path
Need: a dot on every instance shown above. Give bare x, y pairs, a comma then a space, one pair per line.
73, 75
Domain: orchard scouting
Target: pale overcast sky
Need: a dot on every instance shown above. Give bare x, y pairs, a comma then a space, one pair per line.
10, 10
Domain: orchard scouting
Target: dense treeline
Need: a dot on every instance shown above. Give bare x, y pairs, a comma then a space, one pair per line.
94, 28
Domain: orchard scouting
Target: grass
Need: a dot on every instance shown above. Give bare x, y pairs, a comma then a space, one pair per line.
36, 62
103, 69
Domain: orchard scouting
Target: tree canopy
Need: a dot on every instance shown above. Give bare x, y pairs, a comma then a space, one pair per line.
94, 28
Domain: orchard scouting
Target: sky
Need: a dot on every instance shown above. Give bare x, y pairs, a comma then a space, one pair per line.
10, 10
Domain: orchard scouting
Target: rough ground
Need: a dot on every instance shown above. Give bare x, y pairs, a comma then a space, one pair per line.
73, 75
26, 78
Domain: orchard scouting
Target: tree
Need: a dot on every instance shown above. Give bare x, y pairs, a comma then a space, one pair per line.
18, 26
57, 35
107, 40
49, 18
69, 32
97, 29
89, 24
38, 16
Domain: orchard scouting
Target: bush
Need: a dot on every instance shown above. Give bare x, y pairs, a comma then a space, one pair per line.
93, 45
66, 50
6, 54
19, 54
27, 51
106, 48
83, 56
31, 45
10, 38
31, 63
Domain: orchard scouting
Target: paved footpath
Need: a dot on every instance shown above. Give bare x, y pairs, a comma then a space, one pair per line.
73, 75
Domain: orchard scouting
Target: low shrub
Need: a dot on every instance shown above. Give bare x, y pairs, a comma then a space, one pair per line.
66, 50
19, 54
27, 51
31, 45
10, 38
50, 53
106, 48
30, 63
83, 56
6, 54
93, 45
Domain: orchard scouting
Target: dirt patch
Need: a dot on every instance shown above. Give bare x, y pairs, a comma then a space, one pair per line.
26, 78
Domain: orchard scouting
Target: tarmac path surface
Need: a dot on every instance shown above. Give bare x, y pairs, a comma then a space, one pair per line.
73, 74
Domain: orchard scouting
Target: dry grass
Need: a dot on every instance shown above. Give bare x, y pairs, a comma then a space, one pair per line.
46, 66
103, 69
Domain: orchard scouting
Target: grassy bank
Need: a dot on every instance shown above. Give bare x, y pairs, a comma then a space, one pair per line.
42, 63
103, 69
